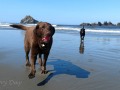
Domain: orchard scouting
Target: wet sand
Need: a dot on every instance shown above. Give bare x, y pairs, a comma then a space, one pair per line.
92, 65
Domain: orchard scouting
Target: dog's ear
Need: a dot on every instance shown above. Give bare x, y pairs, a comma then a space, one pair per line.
53, 30
35, 30
37, 27
19, 26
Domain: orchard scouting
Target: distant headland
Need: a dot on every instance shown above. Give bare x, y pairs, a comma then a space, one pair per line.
28, 20
100, 24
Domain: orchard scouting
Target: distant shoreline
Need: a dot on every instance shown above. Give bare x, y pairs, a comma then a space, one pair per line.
105, 23
89, 25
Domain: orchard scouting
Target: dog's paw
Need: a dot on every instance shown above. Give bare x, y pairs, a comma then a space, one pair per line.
44, 72
28, 64
31, 76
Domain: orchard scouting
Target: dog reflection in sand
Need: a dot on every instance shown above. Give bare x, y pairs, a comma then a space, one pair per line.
81, 48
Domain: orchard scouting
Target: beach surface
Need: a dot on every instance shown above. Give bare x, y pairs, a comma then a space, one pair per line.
72, 65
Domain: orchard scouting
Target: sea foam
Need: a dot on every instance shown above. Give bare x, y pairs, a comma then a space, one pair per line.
74, 28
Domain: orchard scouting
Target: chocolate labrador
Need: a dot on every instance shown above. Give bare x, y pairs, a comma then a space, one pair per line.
38, 40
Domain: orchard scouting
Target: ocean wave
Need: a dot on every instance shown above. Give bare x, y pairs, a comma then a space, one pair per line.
7, 25
72, 28
103, 31
90, 30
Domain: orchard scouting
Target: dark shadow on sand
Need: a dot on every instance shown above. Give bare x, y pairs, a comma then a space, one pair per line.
64, 67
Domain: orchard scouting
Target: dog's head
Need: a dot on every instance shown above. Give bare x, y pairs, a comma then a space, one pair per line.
44, 32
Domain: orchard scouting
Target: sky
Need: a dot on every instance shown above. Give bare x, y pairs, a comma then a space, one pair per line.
71, 12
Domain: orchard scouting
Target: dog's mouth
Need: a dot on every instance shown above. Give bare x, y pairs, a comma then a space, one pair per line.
44, 42
46, 39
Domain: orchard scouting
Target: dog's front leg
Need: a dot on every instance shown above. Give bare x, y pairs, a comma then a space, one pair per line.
43, 68
33, 62
40, 60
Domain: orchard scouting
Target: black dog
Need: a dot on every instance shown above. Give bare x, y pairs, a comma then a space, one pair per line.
82, 33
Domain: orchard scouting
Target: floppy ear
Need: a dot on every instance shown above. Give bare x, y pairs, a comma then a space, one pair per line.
53, 30
19, 26
37, 27
35, 30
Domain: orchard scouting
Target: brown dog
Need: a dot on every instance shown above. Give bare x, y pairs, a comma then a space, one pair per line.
39, 40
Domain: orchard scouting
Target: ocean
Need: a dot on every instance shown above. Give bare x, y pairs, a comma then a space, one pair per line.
101, 30
93, 30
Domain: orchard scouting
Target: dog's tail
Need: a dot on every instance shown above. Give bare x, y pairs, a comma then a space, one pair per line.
19, 26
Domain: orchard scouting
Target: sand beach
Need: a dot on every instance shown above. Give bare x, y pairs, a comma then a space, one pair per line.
72, 65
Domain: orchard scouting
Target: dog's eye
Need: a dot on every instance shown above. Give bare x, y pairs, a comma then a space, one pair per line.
43, 26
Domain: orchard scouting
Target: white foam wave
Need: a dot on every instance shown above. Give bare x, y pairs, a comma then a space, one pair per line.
54, 25
66, 28
7, 25
90, 30
104, 31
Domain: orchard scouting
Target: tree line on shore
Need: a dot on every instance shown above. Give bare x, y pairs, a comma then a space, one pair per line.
100, 24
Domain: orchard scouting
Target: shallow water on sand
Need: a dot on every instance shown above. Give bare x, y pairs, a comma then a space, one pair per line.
92, 65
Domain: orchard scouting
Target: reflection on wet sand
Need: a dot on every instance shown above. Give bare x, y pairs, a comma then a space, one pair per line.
81, 48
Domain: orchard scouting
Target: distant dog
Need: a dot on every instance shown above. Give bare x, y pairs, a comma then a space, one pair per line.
39, 40
82, 33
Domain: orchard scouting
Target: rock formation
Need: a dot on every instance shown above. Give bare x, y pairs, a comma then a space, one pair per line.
28, 20
98, 24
